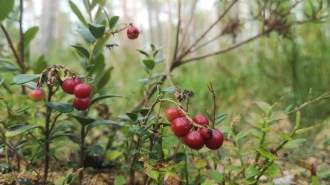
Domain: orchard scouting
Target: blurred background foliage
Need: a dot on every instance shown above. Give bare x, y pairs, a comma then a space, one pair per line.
266, 69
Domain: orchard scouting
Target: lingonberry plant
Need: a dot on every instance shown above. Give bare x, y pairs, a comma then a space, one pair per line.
57, 126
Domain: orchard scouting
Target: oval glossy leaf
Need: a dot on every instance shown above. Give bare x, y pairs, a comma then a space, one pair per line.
113, 21
273, 171
294, 143
29, 35
104, 97
97, 30
5, 165
86, 35
91, 150
63, 127
112, 155
23, 78
70, 135
82, 50
132, 116
62, 107
76, 11
288, 108
24, 181
100, 122
19, 129
200, 163
170, 141
256, 133
8, 67
251, 171
5, 8
265, 153
144, 53
169, 89
120, 180
220, 119
83, 120
103, 81
41, 64
143, 81
149, 63
242, 134
159, 60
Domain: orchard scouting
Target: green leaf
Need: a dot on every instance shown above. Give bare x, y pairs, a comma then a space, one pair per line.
288, 108
225, 129
120, 180
19, 129
100, 122
149, 63
278, 116
208, 182
273, 171
112, 155
113, 21
169, 89
242, 134
24, 181
87, 35
315, 180
200, 163
170, 141
69, 178
265, 153
8, 67
97, 30
70, 135
152, 47
143, 53
76, 11
5, 8
285, 136
220, 118
132, 116
82, 50
91, 150
159, 60
251, 171
94, 100
29, 35
63, 107
255, 119
143, 81
156, 75
5, 165
304, 130
86, 4
104, 79
324, 174
3, 80
294, 143
23, 78
263, 106
83, 120
23, 109
99, 64
216, 176
41, 64
63, 127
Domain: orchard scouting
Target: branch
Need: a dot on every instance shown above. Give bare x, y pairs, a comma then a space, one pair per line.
203, 35
222, 51
177, 32
12, 47
188, 24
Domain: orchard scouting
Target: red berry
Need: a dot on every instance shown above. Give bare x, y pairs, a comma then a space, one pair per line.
82, 90
172, 113
36, 95
69, 84
215, 141
181, 126
206, 133
132, 32
81, 103
194, 140
200, 119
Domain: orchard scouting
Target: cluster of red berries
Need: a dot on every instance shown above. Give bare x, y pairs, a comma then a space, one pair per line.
195, 133
74, 85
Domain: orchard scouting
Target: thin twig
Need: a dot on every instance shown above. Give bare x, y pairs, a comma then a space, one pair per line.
12, 47
206, 31
21, 34
188, 24
16, 153
177, 32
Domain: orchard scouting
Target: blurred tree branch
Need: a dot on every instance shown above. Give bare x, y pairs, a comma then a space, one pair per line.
273, 16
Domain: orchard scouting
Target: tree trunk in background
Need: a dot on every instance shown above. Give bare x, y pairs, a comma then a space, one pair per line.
150, 18
159, 30
47, 26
